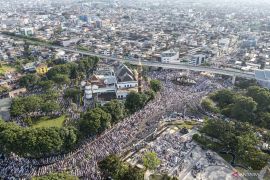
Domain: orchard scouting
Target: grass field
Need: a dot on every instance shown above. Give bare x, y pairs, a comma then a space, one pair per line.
5, 69
47, 122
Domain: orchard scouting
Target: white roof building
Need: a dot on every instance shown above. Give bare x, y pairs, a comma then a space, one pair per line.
170, 56
263, 77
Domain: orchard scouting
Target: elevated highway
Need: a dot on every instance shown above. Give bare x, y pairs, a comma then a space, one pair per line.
223, 71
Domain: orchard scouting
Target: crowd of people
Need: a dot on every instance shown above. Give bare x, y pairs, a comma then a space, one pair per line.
14, 167
84, 161
171, 149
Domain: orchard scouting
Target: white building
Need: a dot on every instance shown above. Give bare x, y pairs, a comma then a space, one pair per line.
263, 77
127, 84
197, 59
170, 56
88, 92
27, 31
127, 81
123, 93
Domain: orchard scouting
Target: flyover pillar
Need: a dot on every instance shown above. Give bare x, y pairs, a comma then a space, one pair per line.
233, 79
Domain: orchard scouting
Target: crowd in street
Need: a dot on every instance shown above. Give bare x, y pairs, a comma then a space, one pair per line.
14, 167
84, 161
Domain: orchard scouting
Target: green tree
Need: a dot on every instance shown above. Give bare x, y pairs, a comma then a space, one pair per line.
245, 83
236, 137
244, 108
116, 109
48, 141
29, 81
112, 167
63, 69
90, 123
211, 125
26, 49
94, 121
256, 159
263, 120
69, 136
223, 97
150, 95
150, 160
135, 101
246, 143
35, 142
45, 85
87, 64
32, 103
133, 173
61, 79
105, 119
17, 108
50, 106
74, 73
9, 133
261, 96
49, 95
73, 93
155, 85
209, 105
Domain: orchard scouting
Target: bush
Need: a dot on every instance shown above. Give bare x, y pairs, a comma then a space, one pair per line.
209, 105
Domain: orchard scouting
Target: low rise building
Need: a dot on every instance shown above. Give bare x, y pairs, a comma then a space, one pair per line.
263, 77
197, 59
27, 31
170, 56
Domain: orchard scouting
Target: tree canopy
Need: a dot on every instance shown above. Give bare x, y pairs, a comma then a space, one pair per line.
46, 103
62, 73
243, 108
116, 109
36, 142
155, 85
135, 101
150, 160
252, 106
238, 138
73, 93
113, 167
94, 121
223, 97
29, 81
